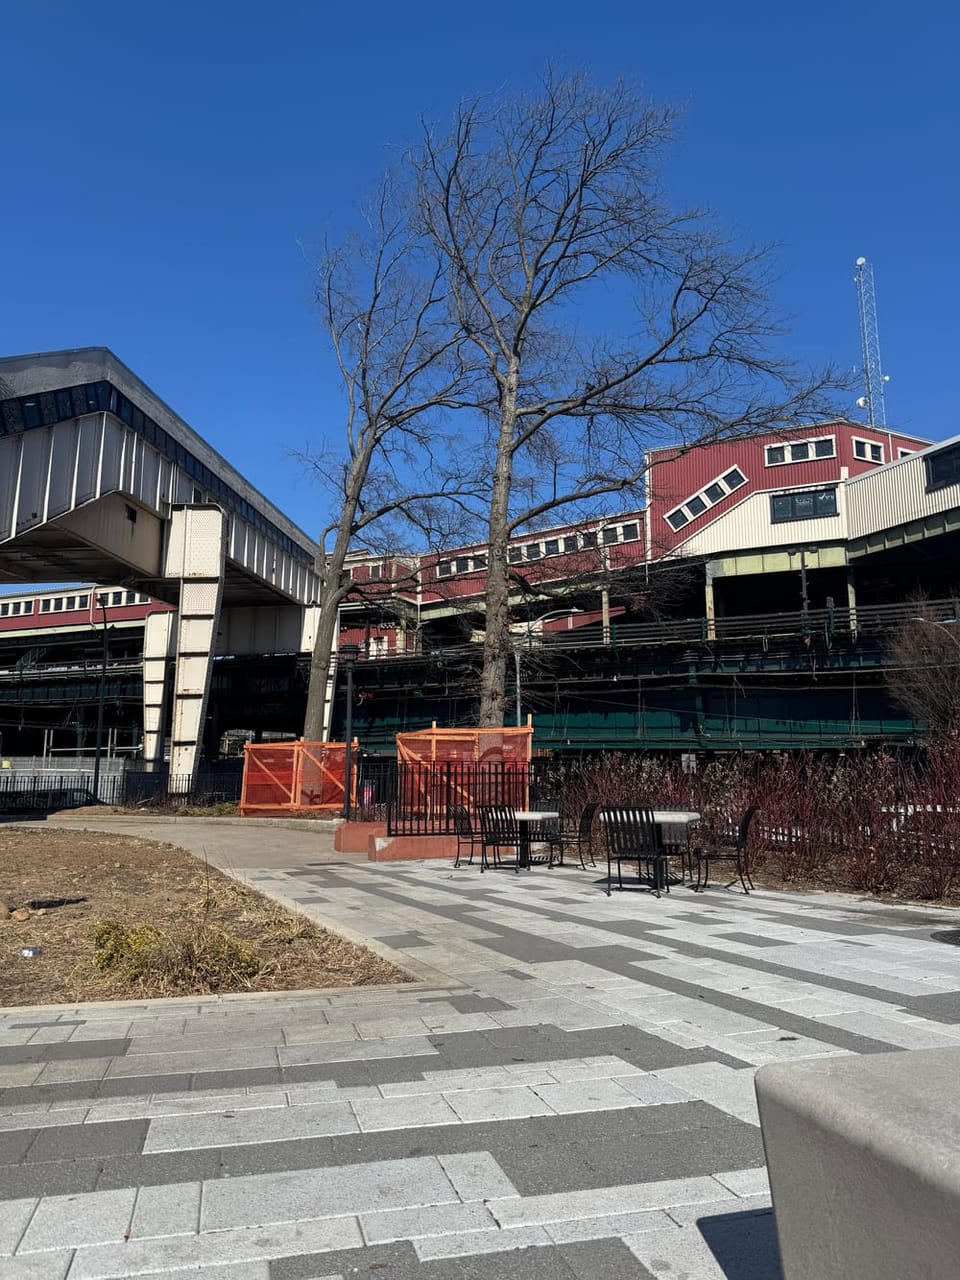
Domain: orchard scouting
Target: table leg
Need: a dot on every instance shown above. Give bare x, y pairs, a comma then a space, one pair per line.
524, 852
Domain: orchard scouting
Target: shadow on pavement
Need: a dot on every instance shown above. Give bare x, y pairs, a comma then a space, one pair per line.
744, 1244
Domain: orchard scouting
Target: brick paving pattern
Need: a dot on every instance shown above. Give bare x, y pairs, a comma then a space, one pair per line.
568, 1097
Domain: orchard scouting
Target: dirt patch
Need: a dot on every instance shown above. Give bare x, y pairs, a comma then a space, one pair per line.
188, 909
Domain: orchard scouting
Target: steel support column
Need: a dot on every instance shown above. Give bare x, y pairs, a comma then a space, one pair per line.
195, 555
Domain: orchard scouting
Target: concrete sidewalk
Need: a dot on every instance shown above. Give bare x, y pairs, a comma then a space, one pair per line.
573, 1099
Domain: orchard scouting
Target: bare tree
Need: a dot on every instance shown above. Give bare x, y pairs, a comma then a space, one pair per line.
385, 303
923, 671
540, 205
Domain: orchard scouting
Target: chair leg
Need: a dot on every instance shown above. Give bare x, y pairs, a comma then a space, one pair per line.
742, 871
609, 875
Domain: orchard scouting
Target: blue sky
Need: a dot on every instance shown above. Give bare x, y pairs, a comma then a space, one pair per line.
169, 170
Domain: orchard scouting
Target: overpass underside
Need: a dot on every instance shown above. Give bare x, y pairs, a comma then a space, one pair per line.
101, 482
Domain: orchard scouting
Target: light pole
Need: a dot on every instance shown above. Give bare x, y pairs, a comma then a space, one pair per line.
348, 656
102, 603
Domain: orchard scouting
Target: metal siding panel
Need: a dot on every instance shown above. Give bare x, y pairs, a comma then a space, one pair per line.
33, 479
749, 525
110, 472
9, 466
88, 454
62, 465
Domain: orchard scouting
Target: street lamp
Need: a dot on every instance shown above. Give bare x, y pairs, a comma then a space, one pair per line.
348, 656
102, 603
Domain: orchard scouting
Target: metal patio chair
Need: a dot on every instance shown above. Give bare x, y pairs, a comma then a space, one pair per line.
578, 839
631, 835
728, 845
499, 830
467, 838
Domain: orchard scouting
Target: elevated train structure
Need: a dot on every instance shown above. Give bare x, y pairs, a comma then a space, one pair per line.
747, 602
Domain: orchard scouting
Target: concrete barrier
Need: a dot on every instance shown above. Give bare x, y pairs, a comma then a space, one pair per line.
864, 1161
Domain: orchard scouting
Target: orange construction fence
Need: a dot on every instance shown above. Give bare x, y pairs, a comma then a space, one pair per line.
475, 746
283, 778
440, 767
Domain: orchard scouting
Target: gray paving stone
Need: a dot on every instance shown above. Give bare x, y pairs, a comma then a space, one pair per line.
751, 939
39, 1266
475, 1175
14, 1216
15, 1143
71, 1221
119, 1138
234, 1128
356, 1188
171, 1210
404, 1113
235, 1246
388, 1225
60, 1052
56, 1177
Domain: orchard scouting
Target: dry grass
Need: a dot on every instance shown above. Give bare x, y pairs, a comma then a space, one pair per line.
150, 920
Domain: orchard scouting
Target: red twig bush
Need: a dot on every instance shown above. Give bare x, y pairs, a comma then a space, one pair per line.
880, 823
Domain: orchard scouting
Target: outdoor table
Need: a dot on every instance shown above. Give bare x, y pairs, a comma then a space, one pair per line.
525, 818
667, 818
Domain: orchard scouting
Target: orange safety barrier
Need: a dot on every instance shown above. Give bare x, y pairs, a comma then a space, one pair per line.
477, 746
284, 778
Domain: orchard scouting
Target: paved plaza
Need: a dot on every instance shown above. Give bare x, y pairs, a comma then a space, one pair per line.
566, 1093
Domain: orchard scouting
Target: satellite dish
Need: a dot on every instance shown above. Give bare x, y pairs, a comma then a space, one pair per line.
861, 262
862, 402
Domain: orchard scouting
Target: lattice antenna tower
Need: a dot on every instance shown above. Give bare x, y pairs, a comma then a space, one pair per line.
873, 377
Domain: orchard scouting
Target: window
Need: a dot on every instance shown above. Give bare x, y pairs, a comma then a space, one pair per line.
630, 532
480, 562
533, 551
696, 506
905, 453
514, 554
197, 494
82, 602
71, 602
444, 569
715, 492
867, 450
610, 535
131, 598
677, 519
4, 610
117, 597
734, 478
803, 504
28, 606
58, 605
589, 539
570, 543
15, 608
462, 564
375, 573
551, 547
777, 455
943, 468
46, 606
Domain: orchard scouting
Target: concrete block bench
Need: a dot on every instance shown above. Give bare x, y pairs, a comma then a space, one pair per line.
864, 1161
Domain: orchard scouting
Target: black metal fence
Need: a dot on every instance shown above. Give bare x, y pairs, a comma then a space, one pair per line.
39, 793
423, 792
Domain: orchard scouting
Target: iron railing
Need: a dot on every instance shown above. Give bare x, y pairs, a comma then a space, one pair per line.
40, 793
423, 792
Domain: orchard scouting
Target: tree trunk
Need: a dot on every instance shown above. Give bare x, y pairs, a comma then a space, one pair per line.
496, 643
331, 594
320, 664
